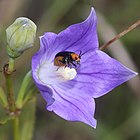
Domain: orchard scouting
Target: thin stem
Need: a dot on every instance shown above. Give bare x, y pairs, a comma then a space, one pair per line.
16, 128
11, 65
136, 24
3, 98
8, 70
30, 94
25, 83
10, 96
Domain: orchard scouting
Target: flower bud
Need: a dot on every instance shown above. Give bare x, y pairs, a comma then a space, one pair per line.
20, 36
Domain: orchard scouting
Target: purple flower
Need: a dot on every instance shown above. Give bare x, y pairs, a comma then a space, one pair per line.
70, 92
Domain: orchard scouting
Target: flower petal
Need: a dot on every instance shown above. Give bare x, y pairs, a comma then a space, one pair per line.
81, 36
41, 56
73, 108
102, 73
47, 94
46, 41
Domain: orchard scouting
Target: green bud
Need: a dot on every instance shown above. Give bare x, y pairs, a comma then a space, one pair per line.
20, 36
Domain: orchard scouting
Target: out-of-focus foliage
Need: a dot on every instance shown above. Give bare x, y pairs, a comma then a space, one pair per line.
118, 113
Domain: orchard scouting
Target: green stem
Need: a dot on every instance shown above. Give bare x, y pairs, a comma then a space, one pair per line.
8, 70
11, 65
27, 79
30, 94
3, 98
16, 128
10, 96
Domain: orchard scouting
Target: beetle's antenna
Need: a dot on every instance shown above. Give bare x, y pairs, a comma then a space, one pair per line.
81, 54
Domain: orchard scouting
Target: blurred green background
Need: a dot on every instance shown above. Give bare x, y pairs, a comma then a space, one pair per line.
118, 113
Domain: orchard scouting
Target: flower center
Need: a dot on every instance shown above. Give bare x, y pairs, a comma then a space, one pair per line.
50, 74
66, 73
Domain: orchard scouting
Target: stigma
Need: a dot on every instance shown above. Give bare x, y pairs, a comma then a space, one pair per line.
66, 73
48, 74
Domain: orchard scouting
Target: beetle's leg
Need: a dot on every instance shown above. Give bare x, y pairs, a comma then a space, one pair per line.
73, 64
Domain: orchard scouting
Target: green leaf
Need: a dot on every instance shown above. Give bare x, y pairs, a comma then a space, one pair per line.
4, 124
27, 120
4, 117
3, 98
26, 81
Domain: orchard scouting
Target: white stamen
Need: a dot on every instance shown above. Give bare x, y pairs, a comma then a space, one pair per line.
49, 74
66, 73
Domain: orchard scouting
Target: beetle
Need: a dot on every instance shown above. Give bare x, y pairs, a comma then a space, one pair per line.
67, 59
